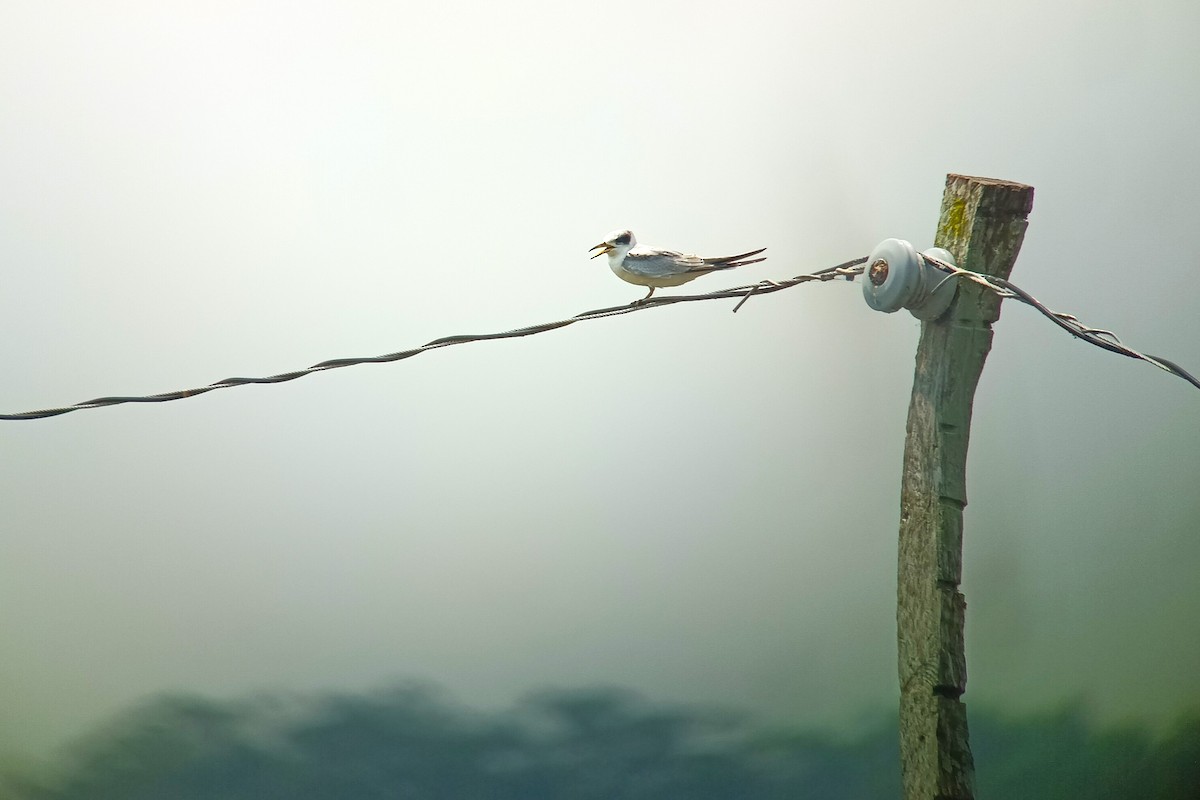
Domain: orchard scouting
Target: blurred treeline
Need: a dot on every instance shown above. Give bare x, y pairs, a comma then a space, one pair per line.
413, 743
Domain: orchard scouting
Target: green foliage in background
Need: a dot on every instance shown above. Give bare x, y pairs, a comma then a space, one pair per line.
412, 743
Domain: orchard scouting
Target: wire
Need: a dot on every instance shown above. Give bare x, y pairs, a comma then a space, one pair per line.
847, 270
1104, 339
1099, 337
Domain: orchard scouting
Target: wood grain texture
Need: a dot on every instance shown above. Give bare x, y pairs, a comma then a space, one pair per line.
982, 223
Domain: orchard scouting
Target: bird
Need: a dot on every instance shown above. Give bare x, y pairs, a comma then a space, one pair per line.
649, 266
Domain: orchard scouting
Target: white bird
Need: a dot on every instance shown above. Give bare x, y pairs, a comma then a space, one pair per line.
648, 266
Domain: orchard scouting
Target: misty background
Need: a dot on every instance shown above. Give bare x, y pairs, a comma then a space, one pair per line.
696, 505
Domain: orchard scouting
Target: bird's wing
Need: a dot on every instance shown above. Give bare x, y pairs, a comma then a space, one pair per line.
662, 263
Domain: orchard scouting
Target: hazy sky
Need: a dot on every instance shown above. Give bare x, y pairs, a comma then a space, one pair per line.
699, 505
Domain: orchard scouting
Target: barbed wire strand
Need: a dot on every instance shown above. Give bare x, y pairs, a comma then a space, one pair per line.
1104, 339
848, 270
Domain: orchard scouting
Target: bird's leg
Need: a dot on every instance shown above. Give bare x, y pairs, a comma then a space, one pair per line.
644, 299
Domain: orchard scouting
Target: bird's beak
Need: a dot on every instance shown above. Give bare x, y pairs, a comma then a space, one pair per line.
603, 247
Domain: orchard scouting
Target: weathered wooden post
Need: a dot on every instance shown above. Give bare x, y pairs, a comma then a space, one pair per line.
982, 224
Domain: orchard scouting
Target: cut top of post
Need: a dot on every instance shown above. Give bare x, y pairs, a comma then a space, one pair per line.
982, 224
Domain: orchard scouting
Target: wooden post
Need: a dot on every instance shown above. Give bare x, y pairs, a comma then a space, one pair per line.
982, 224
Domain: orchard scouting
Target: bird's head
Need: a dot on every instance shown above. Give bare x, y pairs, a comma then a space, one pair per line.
620, 242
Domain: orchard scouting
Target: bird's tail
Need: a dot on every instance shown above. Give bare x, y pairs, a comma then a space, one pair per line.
740, 260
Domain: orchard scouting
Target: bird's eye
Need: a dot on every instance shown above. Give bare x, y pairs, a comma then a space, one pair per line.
622, 239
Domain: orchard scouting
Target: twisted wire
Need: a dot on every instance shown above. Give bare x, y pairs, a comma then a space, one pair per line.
847, 270
1003, 288
1104, 339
